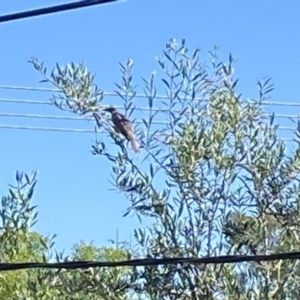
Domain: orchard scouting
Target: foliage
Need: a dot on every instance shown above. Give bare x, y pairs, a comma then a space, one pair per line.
20, 243
230, 186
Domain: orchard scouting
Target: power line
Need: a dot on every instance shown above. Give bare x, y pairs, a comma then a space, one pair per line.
141, 108
229, 259
51, 117
35, 102
33, 128
38, 102
113, 94
52, 9
42, 89
78, 130
21, 101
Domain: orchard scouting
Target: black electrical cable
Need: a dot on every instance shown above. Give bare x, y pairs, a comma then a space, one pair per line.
52, 9
151, 262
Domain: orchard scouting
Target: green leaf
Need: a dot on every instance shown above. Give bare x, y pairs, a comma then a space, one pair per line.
31, 190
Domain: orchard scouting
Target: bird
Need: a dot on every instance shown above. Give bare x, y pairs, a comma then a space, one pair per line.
124, 126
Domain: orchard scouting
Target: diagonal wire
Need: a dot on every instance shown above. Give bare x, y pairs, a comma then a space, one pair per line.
52, 9
152, 262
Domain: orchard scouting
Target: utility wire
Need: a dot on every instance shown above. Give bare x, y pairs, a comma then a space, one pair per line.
51, 117
55, 129
52, 9
46, 102
140, 108
38, 89
78, 130
152, 262
35, 116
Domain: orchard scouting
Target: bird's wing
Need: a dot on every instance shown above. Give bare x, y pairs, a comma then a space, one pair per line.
121, 117
123, 125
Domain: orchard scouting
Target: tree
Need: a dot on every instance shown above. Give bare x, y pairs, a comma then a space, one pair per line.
230, 186
20, 243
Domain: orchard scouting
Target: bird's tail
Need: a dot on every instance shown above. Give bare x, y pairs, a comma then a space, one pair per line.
135, 145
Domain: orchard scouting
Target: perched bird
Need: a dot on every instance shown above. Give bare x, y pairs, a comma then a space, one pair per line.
124, 126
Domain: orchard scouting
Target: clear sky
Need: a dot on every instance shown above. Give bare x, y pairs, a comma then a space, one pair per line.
72, 192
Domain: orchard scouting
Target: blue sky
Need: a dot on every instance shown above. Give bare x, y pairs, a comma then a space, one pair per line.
73, 190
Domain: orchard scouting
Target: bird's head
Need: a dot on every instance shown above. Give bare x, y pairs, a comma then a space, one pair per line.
110, 109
